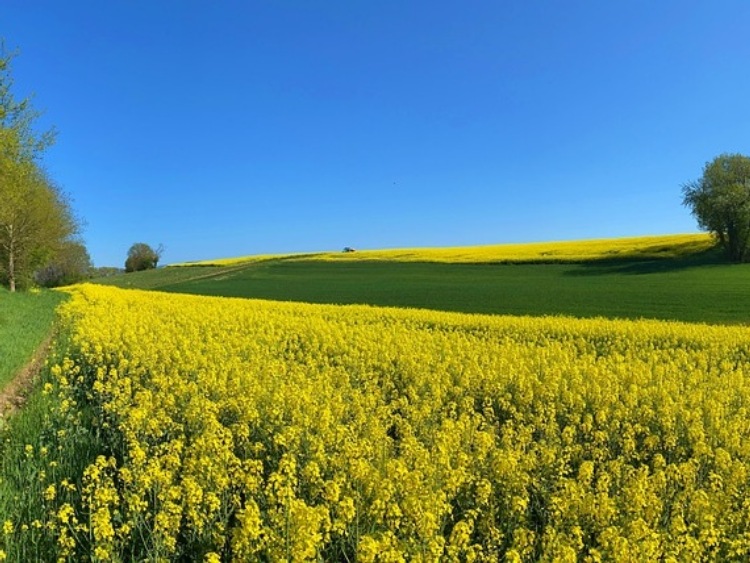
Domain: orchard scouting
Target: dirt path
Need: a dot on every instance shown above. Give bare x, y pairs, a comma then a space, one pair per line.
13, 395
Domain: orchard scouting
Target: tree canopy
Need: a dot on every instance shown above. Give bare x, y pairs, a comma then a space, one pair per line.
36, 220
142, 257
720, 201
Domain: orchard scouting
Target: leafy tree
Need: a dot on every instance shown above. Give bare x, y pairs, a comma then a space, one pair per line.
72, 264
720, 201
142, 257
35, 221
35, 217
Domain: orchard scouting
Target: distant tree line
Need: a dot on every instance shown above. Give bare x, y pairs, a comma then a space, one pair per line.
38, 230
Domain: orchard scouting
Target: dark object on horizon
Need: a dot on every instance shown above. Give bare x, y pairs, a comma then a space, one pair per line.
349, 249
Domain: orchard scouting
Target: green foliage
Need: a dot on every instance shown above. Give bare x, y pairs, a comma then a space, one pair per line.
72, 264
35, 221
142, 257
720, 201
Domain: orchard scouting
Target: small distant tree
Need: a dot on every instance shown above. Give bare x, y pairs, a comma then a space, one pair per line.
720, 201
142, 257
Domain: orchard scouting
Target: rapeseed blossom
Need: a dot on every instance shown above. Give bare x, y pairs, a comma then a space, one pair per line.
250, 430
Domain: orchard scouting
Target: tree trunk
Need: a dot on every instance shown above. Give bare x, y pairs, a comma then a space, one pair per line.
733, 246
11, 270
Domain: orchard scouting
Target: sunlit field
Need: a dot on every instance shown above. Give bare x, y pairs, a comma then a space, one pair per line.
684, 282
648, 247
237, 429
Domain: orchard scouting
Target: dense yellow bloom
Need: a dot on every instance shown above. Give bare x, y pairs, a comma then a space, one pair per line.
281, 431
664, 246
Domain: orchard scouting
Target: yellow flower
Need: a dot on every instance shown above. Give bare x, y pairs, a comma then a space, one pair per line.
403, 435
50, 493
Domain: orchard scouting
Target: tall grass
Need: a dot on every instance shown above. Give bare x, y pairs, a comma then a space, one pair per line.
44, 449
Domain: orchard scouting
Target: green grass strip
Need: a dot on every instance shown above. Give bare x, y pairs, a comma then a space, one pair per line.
25, 320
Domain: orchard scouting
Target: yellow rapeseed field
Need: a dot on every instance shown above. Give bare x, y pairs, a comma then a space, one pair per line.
646, 247
248, 430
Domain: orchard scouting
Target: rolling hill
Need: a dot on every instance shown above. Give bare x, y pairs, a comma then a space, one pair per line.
679, 277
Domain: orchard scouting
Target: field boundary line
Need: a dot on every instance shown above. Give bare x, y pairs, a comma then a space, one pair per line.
224, 270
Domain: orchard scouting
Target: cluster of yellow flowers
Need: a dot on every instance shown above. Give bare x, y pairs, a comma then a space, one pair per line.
647, 247
251, 430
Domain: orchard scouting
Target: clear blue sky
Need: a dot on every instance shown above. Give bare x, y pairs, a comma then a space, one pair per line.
241, 127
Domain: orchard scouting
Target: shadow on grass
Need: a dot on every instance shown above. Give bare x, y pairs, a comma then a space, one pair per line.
709, 258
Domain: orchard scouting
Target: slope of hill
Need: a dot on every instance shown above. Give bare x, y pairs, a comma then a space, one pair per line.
678, 277
631, 248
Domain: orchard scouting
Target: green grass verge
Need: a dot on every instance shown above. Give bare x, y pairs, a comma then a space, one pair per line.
25, 319
697, 288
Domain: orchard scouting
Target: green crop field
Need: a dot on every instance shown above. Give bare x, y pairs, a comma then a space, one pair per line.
25, 320
697, 287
